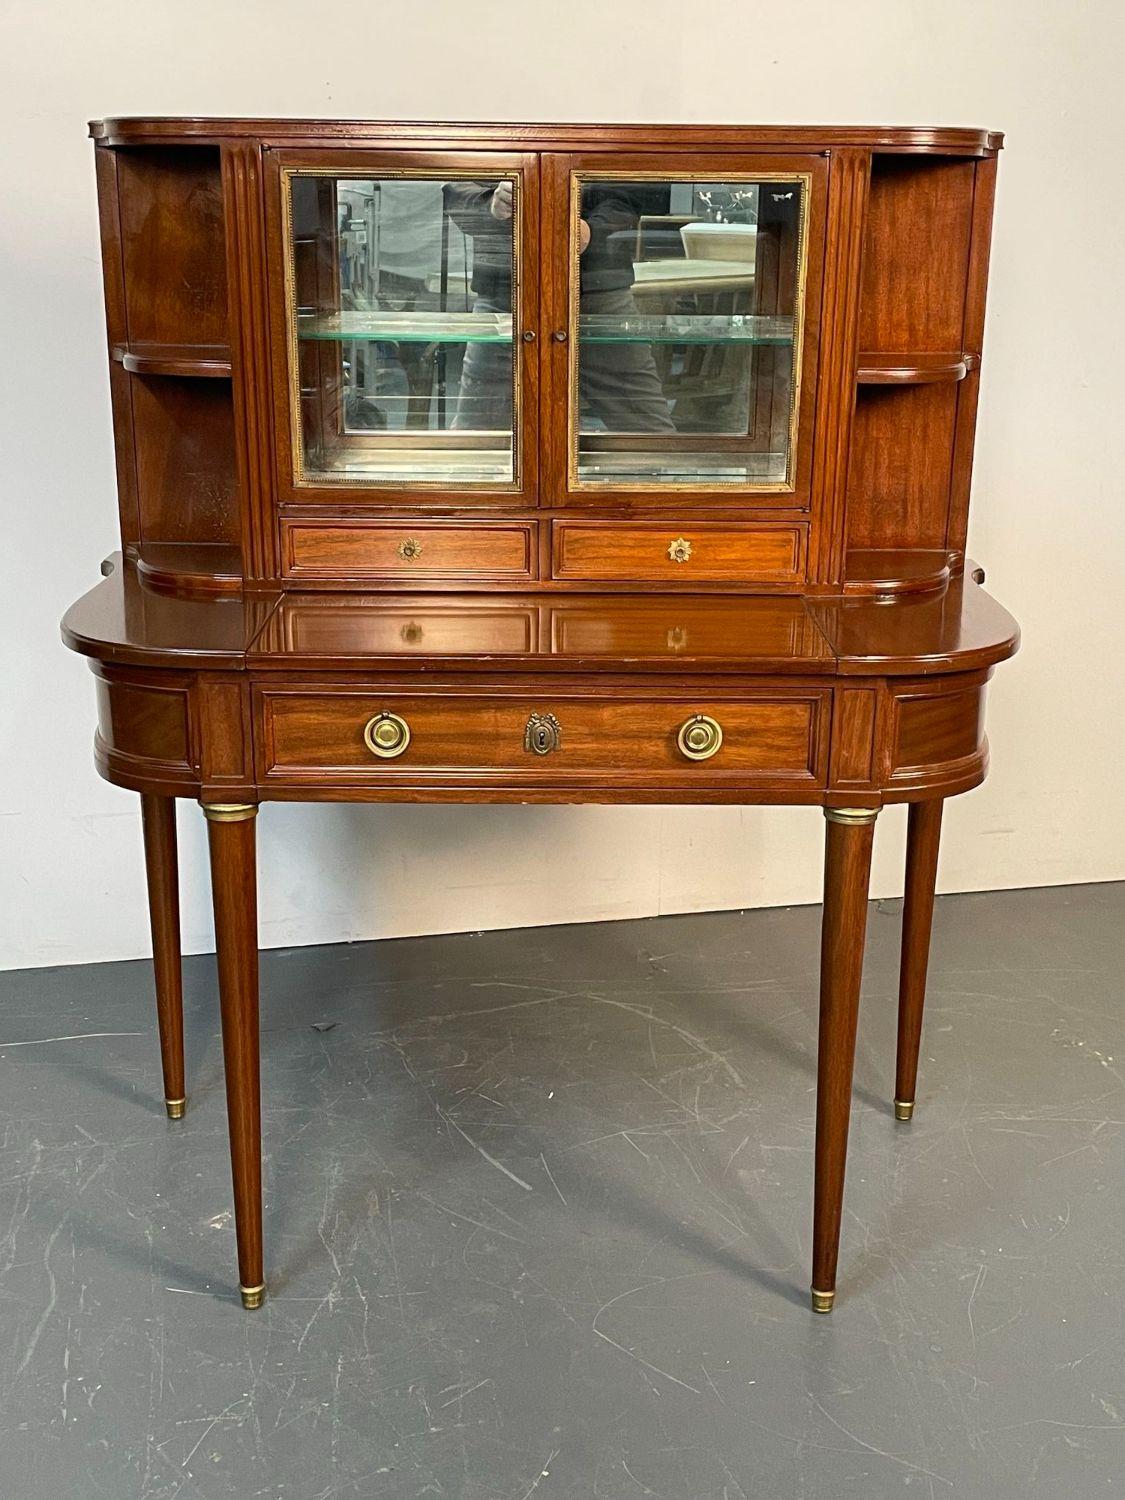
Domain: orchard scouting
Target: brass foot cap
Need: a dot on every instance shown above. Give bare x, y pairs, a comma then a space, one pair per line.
822, 1301
175, 1108
253, 1296
904, 1109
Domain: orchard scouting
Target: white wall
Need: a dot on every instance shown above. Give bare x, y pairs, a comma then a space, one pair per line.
1049, 512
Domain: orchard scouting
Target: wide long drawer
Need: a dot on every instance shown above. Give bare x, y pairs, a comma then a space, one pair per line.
363, 735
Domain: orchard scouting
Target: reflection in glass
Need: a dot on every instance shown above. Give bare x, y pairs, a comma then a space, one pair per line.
689, 297
401, 300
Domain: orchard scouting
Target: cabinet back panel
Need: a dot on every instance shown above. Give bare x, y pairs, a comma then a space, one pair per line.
172, 245
900, 465
183, 431
916, 254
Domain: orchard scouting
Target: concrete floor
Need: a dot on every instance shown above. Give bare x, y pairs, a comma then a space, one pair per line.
538, 1218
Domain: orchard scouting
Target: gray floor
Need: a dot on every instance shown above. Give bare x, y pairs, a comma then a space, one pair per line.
538, 1215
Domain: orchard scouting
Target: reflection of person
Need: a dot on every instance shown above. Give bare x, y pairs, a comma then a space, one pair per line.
618, 386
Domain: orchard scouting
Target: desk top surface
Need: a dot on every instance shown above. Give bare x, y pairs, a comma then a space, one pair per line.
957, 627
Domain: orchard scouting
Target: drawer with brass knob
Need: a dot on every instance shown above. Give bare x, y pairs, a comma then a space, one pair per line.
414, 551
704, 552
459, 733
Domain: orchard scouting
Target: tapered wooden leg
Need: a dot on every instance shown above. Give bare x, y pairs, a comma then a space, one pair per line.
158, 820
847, 870
922, 839
230, 831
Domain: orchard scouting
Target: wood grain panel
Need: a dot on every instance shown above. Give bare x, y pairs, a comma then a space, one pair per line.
899, 473
173, 246
936, 727
186, 473
320, 735
853, 737
916, 254
639, 553
408, 549
144, 720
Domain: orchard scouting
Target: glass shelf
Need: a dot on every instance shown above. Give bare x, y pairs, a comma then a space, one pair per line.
664, 465
407, 328
687, 328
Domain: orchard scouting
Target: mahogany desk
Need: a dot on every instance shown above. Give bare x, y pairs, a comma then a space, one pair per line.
852, 704
420, 502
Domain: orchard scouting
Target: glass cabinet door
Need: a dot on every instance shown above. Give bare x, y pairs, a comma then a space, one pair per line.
407, 305
688, 313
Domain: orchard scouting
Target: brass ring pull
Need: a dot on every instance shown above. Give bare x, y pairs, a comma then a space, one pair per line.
700, 737
386, 735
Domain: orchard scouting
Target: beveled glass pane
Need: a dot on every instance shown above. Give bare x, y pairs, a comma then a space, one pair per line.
403, 343
687, 345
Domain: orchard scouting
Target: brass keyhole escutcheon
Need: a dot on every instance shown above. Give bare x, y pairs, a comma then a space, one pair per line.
542, 734
679, 550
700, 737
386, 735
410, 549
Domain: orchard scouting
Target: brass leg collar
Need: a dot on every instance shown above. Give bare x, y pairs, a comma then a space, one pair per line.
175, 1108
229, 812
904, 1109
852, 815
253, 1296
822, 1301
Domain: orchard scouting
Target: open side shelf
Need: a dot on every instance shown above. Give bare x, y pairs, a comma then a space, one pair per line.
212, 361
913, 368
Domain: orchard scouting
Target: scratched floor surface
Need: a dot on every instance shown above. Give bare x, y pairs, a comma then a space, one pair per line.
538, 1214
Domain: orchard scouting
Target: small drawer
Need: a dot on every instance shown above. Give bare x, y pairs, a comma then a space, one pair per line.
686, 554
404, 550
461, 736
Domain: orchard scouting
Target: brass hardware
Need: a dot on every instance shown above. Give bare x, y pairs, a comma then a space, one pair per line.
529, 335
822, 1301
559, 335
542, 734
228, 812
700, 737
253, 1296
411, 633
679, 550
677, 638
410, 548
175, 1108
386, 735
851, 815
904, 1109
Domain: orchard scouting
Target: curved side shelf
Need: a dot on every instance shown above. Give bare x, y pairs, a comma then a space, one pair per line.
211, 361
185, 569
913, 368
901, 571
